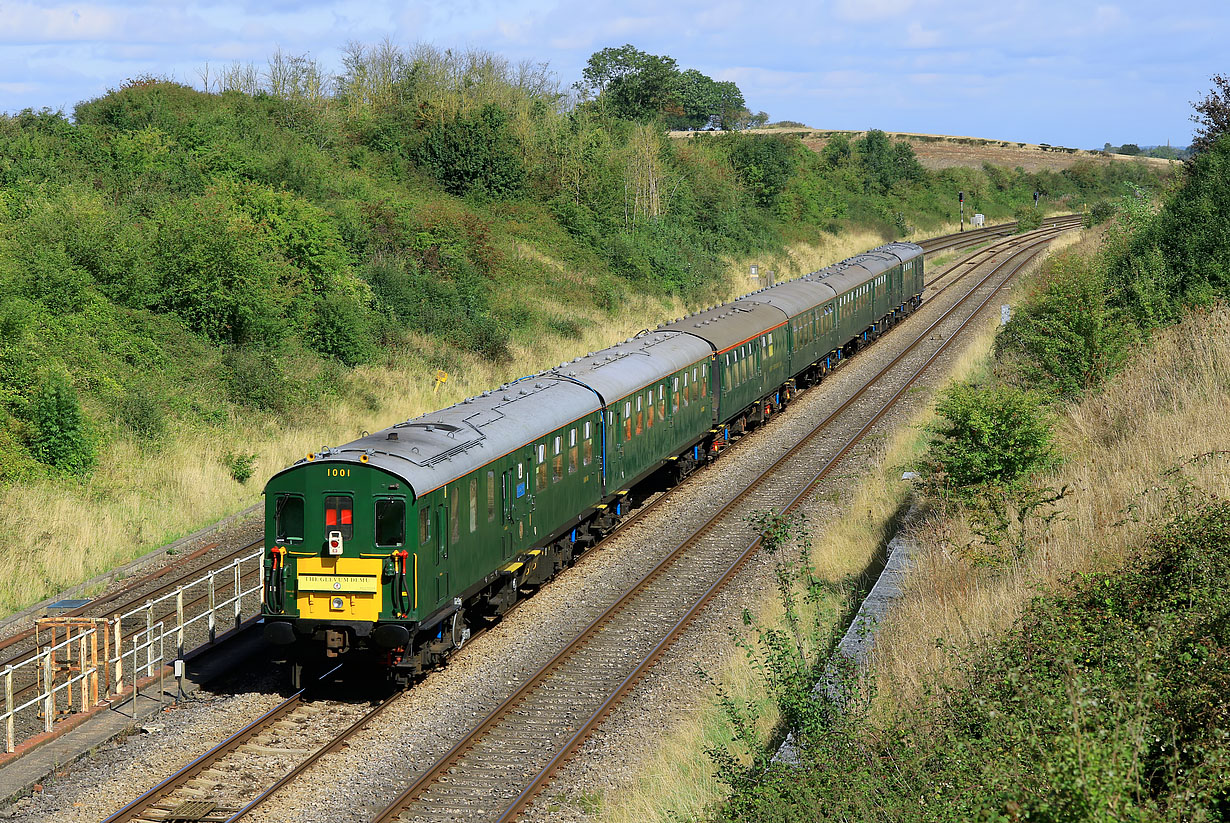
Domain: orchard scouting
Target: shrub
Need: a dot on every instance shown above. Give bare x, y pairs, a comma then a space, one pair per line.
240, 466
1027, 217
141, 413
474, 152
1065, 337
59, 434
340, 330
990, 435
255, 378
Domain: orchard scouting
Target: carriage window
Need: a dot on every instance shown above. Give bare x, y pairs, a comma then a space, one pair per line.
424, 525
339, 516
390, 522
288, 519
628, 421
473, 504
557, 468
588, 456
540, 479
640, 416
649, 409
572, 451
675, 396
687, 390
490, 496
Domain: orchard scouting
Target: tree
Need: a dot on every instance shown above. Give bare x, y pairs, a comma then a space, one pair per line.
699, 99
1212, 115
1129, 148
731, 107
631, 83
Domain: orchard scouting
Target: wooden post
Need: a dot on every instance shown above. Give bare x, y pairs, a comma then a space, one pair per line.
49, 700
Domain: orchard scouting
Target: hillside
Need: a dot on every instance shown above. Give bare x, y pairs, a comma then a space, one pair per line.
196, 287
939, 151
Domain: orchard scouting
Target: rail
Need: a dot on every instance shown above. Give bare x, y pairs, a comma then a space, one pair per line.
71, 677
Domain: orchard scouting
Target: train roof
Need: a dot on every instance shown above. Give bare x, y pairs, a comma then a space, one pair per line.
441, 446
731, 324
796, 296
622, 369
857, 270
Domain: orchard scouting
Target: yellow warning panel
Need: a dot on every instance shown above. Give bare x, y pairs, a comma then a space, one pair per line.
338, 588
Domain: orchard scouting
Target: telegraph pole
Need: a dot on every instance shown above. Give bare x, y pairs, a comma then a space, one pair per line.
961, 200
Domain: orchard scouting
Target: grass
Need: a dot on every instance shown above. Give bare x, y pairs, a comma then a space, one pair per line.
1119, 444
62, 531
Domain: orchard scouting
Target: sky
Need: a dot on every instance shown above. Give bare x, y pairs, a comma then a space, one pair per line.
1067, 73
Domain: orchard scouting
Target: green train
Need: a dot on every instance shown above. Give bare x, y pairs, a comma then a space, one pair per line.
400, 543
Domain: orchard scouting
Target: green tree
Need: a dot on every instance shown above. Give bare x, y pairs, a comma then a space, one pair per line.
732, 110
1212, 115
632, 84
476, 152
59, 433
699, 99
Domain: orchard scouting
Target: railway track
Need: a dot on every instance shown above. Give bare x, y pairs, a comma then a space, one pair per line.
496, 770
973, 237
284, 741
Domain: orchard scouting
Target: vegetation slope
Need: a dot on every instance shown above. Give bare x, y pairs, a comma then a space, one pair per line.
196, 285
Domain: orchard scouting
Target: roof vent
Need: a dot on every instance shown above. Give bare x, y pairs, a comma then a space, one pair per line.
696, 325
539, 385
392, 435
429, 427
508, 397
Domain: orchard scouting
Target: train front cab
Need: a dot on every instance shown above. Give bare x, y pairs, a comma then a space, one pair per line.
337, 571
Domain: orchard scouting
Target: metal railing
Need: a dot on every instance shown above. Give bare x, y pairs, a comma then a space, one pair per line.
66, 669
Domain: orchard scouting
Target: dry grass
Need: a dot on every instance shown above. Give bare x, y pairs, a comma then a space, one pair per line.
61, 532
1167, 406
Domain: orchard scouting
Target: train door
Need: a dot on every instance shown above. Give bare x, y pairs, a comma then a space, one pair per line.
620, 433
517, 487
440, 542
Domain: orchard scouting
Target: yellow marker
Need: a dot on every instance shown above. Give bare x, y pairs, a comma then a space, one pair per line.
441, 379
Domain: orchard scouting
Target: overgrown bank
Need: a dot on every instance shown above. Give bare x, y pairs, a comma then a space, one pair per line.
1062, 653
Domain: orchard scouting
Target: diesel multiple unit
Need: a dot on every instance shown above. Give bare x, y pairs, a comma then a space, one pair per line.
400, 542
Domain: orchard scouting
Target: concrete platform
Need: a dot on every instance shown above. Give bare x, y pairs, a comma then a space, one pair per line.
77, 738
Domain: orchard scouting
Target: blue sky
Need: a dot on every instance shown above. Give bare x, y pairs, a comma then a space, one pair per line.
1067, 73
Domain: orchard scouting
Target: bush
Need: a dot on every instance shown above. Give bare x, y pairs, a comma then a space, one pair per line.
1027, 217
1065, 337
993, 435
477, 152
59, 434
240, 466
140, 411
340, 330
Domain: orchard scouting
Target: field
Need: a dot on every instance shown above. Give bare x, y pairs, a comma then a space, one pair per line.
938, 151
